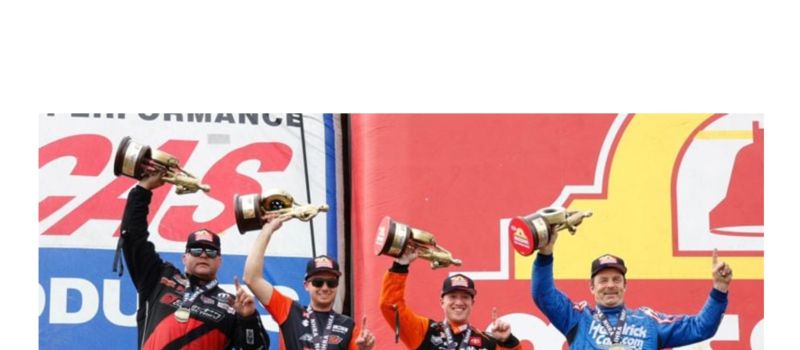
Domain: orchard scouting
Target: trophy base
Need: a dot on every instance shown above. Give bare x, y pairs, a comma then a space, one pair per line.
391, 238
247, 209
529, 233
129, 157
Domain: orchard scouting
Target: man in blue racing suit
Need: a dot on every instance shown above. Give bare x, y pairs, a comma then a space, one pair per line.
613, 326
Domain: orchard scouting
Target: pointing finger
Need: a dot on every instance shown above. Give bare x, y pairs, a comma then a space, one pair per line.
364, 322
236, 283
714, 258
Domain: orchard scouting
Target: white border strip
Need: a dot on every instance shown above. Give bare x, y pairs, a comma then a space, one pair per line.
595, 188
600, 169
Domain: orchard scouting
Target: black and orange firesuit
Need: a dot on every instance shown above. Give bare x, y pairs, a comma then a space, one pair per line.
421, 333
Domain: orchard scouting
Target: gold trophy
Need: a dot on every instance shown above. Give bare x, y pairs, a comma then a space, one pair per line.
393, 238
250, 209
534, 231
133, 159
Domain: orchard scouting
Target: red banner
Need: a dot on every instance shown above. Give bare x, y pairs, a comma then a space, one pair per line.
463, 177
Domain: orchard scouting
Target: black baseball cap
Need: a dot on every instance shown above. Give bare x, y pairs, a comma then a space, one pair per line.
608, 261
203, 238
459, 282
322, 263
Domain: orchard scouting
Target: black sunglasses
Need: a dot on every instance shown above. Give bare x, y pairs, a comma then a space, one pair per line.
210, 252
317, 282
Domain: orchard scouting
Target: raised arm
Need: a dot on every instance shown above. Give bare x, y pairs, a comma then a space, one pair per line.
721, 273
140, 254
254, 266
412, 326
674, 331
558, 308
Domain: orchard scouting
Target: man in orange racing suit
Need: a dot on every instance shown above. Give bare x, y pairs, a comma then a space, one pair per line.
455, 331
317, 326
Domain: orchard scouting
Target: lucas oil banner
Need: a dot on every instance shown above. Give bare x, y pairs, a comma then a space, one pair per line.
83, 304
665, 190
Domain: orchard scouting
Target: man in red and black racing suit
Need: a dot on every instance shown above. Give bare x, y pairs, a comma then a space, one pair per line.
178, 311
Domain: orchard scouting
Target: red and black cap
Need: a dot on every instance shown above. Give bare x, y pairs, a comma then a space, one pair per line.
203, 238
322, 263
459, 282
608, 261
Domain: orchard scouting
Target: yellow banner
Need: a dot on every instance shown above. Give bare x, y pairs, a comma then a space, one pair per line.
635, 220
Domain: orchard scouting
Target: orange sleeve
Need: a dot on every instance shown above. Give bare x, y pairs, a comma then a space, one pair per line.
279, 306
412, 326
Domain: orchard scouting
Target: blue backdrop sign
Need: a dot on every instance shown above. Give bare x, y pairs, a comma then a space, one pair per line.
83, 304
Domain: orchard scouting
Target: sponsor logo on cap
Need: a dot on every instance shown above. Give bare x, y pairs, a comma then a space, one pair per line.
203, 235
607, 259
459, 281
323, 262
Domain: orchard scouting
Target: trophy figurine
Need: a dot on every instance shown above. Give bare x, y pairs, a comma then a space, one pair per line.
135, 160
393, 238
251, 208
534, 231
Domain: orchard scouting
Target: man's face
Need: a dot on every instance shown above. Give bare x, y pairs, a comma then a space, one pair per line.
203, 266
322, 294
608, 287
457, 306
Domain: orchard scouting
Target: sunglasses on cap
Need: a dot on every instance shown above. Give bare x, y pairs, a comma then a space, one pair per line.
196, 252
317, 282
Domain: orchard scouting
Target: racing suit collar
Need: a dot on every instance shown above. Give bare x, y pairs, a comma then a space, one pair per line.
195, 281
457, 328
611, 310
